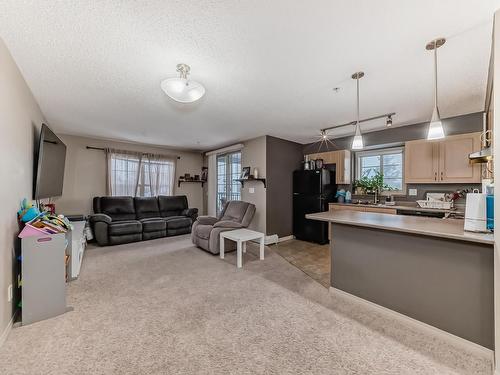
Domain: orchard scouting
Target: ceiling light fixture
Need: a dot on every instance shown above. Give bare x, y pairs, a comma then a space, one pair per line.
180, 88
388, 122
436, 126
357, 141
324, 135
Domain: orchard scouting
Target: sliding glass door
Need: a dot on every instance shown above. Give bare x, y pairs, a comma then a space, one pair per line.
228, 170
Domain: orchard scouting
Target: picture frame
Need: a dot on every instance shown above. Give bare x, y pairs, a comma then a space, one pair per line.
245, 173
204, 174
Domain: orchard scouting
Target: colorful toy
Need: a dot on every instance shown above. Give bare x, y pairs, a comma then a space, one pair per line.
28, 211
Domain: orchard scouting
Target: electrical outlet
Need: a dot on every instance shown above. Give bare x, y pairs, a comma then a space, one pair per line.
9, 293
412, 192
251, 190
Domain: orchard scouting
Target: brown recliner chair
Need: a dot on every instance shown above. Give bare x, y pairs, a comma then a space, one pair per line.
206, 229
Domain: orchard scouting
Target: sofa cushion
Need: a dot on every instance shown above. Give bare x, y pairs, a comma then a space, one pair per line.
146, 207
172, 206
153, 224
235, 211
174, 222
118, 208
125, 227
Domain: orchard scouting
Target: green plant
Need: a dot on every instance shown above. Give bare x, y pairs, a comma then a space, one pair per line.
372, 184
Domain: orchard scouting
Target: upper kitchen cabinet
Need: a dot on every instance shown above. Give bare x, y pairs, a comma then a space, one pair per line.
421, 161
342, 161
445, 161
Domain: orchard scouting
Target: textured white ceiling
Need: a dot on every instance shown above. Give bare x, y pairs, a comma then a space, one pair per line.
268, 66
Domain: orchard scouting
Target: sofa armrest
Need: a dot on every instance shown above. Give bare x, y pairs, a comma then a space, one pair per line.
228, 224
100, 218
206, 220
190, 212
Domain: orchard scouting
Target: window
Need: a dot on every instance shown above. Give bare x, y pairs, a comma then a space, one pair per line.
389, 162
137, 174
228, 170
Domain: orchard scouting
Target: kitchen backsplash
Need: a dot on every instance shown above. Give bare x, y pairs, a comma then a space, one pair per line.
422, 189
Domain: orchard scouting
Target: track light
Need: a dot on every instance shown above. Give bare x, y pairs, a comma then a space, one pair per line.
324, 135
388, 122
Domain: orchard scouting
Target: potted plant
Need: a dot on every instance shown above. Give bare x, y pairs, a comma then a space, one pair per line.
372, 185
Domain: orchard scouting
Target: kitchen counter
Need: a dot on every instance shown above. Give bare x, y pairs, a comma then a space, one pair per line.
428, 269
443, 228
400, 207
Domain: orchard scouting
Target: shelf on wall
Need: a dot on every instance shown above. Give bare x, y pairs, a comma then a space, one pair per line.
243, 180
190, 181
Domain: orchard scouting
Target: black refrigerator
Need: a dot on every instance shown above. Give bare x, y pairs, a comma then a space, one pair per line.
312, 191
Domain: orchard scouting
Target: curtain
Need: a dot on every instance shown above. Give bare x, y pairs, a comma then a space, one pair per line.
122, 172
212, 185
138, 174
157, 175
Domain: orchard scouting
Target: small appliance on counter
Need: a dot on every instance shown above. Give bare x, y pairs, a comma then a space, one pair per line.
475, 212
389, 200
490, 206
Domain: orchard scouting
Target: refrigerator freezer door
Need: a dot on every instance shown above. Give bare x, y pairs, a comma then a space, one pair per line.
307, 182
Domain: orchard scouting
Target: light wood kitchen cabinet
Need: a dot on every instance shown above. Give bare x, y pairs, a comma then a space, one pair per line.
342, 161
421, 161
445, 161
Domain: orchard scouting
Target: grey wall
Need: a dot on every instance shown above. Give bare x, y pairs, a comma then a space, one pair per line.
445, 283
283, 157
454, 125
20, 119
253, 155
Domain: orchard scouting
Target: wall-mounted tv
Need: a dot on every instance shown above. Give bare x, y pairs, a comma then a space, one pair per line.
49, 170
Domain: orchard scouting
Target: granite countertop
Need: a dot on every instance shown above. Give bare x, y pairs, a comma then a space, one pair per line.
433, 227
401, 207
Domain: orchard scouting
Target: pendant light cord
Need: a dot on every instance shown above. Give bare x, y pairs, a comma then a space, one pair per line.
435, 75
357, 102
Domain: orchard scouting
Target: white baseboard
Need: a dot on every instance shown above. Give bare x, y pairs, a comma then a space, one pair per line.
7, 330
286, 238
457, 341
271, 239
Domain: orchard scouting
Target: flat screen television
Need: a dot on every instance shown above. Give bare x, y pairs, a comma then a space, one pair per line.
49, 170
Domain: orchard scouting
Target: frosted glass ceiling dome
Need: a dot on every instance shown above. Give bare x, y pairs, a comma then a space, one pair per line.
181, 89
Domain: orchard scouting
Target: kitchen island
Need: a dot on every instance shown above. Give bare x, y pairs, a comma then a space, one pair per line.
428, 269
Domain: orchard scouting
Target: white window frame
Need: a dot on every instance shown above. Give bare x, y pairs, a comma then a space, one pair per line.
383, 151
229, 178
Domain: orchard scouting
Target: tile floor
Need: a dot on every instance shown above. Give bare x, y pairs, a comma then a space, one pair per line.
310, 258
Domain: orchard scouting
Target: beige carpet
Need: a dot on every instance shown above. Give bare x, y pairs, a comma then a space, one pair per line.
164, 307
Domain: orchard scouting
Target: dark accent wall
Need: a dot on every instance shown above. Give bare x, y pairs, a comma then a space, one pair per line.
282, 158
470, 123
445, 283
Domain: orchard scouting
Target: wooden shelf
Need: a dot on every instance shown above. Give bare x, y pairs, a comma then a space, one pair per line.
242, 181
190, 181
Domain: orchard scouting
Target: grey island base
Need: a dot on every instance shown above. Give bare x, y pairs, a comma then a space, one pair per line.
427, 269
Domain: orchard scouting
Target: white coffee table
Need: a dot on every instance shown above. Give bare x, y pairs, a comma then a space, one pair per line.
241, 236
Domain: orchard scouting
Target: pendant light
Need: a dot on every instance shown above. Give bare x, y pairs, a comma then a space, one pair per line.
357, 141
180, 88
436, 126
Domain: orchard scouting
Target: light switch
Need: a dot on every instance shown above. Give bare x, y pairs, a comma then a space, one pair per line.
251, 190
412, 192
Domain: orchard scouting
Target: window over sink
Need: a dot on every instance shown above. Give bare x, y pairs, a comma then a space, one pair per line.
388, 161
